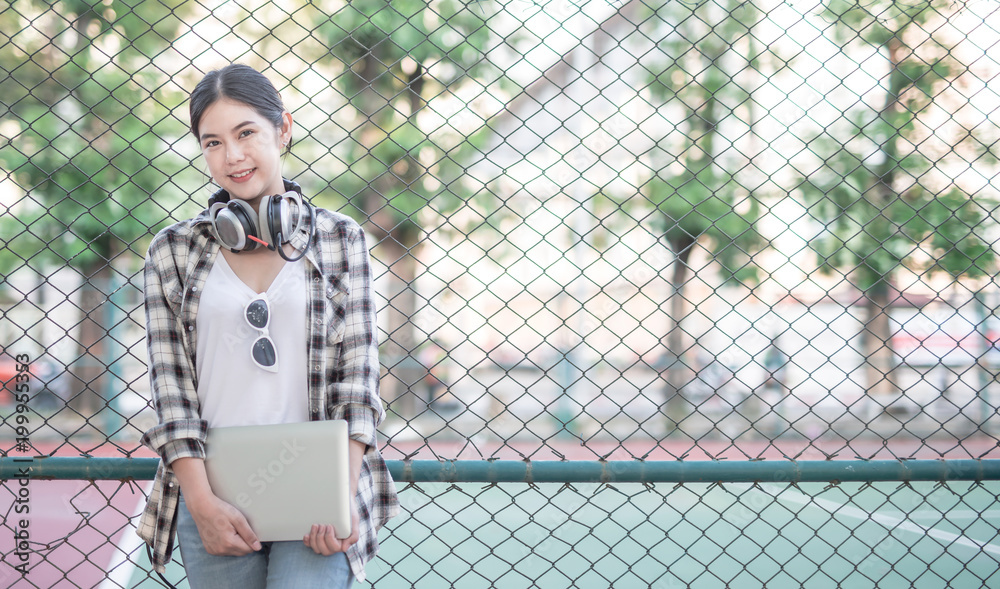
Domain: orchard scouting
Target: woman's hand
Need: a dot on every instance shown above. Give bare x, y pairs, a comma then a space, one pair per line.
322, 540
223, 529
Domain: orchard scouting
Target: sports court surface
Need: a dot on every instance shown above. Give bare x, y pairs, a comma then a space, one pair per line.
589, 535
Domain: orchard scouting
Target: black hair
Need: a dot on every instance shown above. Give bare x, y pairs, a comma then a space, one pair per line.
240, 83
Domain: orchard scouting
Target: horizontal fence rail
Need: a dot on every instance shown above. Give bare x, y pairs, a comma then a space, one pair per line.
577, 471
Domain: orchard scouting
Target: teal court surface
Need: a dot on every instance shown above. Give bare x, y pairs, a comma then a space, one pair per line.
665, 536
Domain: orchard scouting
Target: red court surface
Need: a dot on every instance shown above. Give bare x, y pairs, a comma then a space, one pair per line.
75, 528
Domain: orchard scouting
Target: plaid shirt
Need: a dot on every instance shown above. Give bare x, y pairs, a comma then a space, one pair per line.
342, 353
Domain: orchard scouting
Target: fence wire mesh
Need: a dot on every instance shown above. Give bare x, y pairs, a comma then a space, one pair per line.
603, 231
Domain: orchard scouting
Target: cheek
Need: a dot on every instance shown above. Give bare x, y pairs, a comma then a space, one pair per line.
265, 151
271, 143
214, 161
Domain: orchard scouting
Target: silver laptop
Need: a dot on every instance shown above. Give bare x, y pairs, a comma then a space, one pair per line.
284, 478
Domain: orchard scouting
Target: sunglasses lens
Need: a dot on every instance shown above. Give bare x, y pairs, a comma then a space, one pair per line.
257, 313
263, 352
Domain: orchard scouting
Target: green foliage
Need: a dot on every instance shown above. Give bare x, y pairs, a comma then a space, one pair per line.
697, 208
696, 72
387, 169
873, 200
874, 240
449, 33
878, 22
398, 56
84, 138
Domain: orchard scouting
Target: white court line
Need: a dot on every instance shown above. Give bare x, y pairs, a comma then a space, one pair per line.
967, 514
891, 522
120, 568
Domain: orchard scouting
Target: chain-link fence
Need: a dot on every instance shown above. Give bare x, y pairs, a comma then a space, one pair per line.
656, 280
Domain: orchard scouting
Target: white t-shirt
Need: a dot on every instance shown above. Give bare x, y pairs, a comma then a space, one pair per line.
232, 389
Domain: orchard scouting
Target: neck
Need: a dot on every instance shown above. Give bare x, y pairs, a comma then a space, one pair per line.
261, 252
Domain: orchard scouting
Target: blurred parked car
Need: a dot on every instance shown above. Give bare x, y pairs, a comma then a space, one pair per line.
46, 382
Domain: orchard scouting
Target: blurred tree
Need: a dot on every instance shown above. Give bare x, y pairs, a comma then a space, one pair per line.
398, 56
703, 186
86, 125
875, 192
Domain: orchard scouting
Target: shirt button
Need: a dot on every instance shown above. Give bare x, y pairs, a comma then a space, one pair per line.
194, 289
190, 327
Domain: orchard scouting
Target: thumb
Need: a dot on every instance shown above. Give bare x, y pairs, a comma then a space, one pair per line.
244, 531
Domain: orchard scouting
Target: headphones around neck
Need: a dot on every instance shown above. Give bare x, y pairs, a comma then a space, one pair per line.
240, 228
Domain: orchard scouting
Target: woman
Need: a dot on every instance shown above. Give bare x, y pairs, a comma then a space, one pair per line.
209, 365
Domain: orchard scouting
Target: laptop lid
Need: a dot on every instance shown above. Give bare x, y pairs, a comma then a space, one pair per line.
284, 477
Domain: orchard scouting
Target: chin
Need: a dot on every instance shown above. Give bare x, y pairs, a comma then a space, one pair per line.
244, 193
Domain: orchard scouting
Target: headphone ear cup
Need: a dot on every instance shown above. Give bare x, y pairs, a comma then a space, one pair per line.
266, 213
292, 213
232, 223
287, 222
281, 215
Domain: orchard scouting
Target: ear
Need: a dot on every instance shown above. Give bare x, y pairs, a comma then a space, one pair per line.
285, 131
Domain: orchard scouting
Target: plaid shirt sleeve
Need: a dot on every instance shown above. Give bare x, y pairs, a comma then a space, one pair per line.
351, 387
354, 367
180, 431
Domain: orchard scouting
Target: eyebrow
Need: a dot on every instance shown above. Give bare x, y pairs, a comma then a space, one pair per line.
236, 128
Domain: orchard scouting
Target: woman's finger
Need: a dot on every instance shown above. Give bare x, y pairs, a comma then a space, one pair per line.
243, 530
316, 540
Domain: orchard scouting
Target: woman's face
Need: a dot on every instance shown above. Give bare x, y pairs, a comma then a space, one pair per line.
243, 149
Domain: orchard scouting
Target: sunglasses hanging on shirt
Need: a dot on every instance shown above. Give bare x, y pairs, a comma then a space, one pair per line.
240, 228
258, 316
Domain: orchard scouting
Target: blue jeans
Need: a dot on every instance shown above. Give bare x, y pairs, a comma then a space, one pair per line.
277, 565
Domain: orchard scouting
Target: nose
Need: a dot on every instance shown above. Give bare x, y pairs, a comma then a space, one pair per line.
233, 153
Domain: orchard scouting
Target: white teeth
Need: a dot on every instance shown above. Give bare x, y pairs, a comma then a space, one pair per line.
241, 175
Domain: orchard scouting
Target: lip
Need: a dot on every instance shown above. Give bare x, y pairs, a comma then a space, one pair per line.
247, 175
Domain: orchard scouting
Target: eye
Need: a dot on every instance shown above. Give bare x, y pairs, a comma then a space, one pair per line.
210, 143
246, 133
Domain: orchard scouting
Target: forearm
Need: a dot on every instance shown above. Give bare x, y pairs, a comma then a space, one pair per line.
193, 479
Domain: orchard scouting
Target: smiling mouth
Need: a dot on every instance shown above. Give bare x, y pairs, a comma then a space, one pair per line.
242, 175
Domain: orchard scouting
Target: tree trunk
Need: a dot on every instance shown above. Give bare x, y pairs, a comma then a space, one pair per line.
678, 373
876, 341
403, 370
87, 368
877, 334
